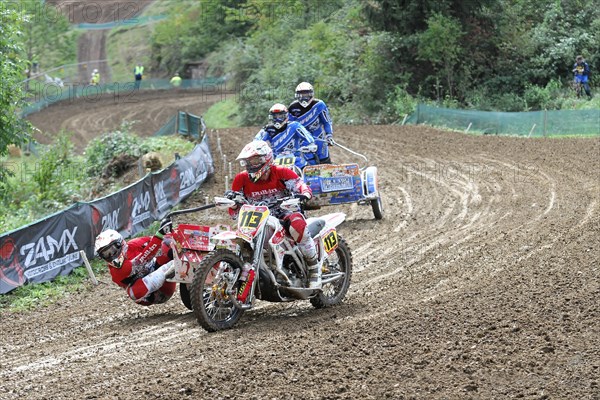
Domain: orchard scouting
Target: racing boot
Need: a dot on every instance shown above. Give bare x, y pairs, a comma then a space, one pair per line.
309, 251
314, 273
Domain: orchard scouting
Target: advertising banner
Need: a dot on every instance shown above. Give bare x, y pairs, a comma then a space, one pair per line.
165, 186
46, 249
127, 211
50, 247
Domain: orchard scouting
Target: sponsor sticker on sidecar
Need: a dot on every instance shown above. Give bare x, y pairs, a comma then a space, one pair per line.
197, 237
334, 184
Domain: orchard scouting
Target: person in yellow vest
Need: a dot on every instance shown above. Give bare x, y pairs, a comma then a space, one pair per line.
138, 72
176, 80
95, 80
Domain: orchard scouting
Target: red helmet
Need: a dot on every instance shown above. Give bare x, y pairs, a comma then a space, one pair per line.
278, 114
257, 158
304, 93
111, 247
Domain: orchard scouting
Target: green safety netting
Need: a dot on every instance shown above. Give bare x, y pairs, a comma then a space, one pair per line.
184, 124
534, 123
136, 21
52, 93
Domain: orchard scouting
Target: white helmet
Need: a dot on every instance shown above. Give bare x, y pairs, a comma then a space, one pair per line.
304, 93
95, 70
257, 157
111, 247
278, 114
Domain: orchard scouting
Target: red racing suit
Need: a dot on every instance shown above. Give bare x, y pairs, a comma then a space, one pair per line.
139, 261
281, 182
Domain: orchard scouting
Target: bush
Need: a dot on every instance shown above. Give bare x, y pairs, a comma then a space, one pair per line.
53, 168
102, 150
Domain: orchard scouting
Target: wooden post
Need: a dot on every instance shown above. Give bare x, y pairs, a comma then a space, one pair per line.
88, 267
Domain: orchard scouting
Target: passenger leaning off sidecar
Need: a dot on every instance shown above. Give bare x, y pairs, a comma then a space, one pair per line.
141, 265
264, 181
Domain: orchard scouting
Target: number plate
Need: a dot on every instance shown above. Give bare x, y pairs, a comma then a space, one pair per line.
336, 184
285, 161
330, 241
251, 217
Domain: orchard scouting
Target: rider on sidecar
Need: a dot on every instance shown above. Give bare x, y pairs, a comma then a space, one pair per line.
288, 138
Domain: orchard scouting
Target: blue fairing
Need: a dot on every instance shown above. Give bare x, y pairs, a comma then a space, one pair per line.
370, 178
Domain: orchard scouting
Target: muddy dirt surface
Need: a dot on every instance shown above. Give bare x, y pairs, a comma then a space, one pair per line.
94, 114
481, 282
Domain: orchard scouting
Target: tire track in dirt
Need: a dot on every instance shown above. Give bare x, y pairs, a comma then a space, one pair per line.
480, 281
89, 117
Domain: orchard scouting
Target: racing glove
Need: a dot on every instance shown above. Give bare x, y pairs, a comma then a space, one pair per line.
165, 228
235, 196
303, 197
330, 141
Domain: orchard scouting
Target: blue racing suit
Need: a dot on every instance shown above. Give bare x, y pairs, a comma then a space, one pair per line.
316, 119
287, 140
581, 72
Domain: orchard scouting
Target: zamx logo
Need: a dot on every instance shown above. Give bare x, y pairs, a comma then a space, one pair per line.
47, 247
188, 182
141, 208
159, 195
111, 220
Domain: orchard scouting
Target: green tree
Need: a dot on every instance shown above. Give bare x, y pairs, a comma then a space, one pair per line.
47, 37
440, 45
194, 29
12, 128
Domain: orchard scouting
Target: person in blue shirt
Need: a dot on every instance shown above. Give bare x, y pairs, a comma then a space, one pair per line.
287, 137
581, 73
313, 114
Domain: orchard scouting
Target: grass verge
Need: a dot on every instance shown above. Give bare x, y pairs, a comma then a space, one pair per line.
224, 114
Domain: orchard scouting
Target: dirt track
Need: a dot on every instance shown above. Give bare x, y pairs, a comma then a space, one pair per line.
91, 46
481, 282
149, 110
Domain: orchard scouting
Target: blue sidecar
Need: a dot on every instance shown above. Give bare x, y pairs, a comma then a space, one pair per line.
333, 184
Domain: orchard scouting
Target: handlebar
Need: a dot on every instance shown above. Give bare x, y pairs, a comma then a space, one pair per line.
238, 198
190, 210
350, 151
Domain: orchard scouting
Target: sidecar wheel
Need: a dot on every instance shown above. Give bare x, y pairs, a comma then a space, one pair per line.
210, 301
184, 292
377, 206
340, 261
